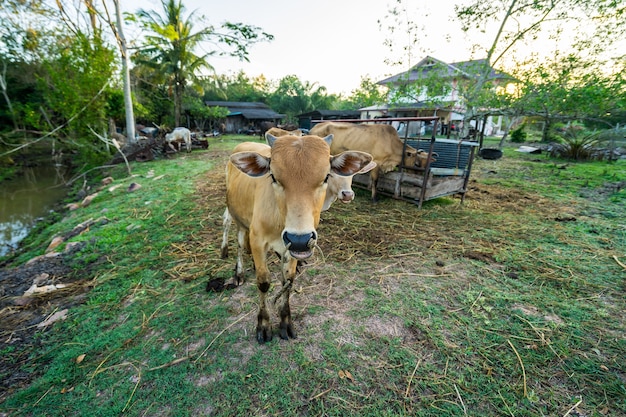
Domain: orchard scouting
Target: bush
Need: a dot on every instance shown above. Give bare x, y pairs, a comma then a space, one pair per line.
577, 144
519, 135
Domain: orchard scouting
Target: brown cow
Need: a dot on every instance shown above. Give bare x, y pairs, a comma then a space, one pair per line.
277, 201
339, 188
379, 140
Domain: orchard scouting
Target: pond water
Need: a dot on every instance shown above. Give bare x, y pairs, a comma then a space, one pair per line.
25, 200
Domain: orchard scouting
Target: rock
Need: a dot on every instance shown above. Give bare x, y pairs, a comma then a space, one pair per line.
71, 246
44, 289
56, 241
41, 278
59, 315
87, 200
133, 187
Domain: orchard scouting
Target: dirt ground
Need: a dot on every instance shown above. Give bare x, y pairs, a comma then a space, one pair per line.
22, 315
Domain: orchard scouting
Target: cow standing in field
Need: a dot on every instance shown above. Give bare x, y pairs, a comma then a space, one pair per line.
179, 135
379, 140
339, 188
277, 202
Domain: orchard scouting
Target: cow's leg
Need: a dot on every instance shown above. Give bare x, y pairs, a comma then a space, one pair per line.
374, 183
238, 278
242, 243
226, 222
263, 281
288, 275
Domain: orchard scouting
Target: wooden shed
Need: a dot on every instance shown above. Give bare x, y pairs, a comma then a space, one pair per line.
246, 117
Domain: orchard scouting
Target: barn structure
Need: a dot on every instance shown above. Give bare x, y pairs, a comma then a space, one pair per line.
247, 117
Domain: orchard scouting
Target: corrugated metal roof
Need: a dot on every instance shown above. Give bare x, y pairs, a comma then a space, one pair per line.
248, 110
254, 114
237, 104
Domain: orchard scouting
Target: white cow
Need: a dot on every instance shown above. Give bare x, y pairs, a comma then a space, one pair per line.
179, 135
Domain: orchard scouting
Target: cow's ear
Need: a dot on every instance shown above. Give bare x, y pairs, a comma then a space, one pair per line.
251, 163
329, 139
270, 139
367, 168
351, 162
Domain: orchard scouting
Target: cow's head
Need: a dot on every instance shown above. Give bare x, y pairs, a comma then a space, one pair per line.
299, 169
409, 156
422, 158
340, 186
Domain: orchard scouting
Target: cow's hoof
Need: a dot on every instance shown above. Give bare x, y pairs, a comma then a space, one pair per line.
263, 334
286, 331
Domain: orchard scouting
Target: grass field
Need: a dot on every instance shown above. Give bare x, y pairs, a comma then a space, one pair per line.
511, 304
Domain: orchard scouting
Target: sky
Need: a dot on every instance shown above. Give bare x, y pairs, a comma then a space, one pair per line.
333, 43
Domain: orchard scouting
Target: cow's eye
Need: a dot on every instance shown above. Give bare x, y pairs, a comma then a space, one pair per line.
273, 179
326, 179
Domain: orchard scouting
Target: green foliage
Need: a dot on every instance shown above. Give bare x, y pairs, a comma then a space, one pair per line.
368, 94
171, 44
292, 97
519, 134
578, 144
74, 82
236, 87
205, 118
572, 89
115, 105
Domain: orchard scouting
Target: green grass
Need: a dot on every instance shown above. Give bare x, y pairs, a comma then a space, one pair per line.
501, 306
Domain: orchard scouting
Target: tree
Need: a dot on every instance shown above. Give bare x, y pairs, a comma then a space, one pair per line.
520, 21
368, 94
237, 87
118, 31
171, 44
570, 88
294, 97
505, 28
205, 118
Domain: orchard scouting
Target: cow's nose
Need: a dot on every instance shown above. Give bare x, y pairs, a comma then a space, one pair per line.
347, 196
299, 242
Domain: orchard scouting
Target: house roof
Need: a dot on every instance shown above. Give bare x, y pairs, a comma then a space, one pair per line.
432, 66
248, 110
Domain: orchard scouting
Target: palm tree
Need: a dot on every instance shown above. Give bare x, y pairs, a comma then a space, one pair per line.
170, 46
